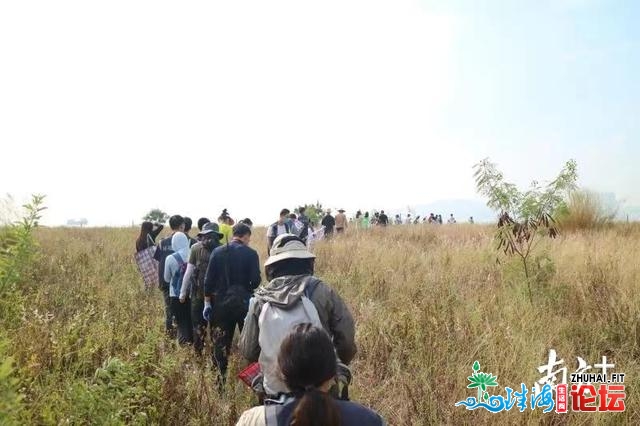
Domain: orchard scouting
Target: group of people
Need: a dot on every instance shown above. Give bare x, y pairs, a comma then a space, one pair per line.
294, 327
364, 221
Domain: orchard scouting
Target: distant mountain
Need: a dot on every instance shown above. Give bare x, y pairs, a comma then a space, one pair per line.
462, 209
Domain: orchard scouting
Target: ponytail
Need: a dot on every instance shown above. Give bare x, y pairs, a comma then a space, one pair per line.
316, 408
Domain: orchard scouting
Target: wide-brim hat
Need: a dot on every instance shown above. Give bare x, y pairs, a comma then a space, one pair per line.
341, 210
210, 228
288, 246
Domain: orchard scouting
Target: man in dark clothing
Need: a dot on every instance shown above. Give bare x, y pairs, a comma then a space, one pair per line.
383, 219
328, 222
304, 219
176, 223
232, 275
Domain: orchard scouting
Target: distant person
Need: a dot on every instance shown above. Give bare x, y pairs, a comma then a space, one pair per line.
309, 368
432, 218
440, 219
295, 226
279, 227
226, 224
306, 224
188, 223
176, 223
290, 271
202, 222
174, 269
358, 219
193, 282
365, 221
341, 222
383, 220
375, 219
451, 220
408, 220
329, 222
398, 220
232, 275
471, 220
148, 234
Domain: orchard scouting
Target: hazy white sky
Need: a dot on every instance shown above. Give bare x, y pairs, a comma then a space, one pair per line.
112, 108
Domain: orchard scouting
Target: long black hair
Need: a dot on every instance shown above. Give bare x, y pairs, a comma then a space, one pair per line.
143, 239
307, 360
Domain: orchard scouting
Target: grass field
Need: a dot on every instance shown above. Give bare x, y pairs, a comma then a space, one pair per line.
88, 344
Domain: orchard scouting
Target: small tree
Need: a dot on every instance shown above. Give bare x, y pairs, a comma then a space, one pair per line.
156, 215
525, 217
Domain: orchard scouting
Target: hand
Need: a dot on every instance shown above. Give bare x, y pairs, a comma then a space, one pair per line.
207, 312
183, 299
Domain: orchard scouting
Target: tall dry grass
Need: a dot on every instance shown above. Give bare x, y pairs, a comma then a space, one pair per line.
585, 210
428, 302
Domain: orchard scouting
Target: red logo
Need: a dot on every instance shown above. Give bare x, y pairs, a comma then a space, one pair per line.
584, 398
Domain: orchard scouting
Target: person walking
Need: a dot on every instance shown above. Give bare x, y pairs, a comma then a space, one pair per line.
329, 222
341, 222
232, 275
279, 227
290, 271
174, 269
164, 250
193, 282
309, 368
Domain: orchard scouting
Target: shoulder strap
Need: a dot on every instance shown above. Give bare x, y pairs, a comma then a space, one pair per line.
271, 412
226, 268
310, 286
178, 258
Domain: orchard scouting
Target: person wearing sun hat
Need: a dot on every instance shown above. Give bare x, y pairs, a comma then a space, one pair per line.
193, 282
290, 269
341, 221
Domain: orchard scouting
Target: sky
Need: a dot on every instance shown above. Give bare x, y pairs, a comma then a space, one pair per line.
114, 108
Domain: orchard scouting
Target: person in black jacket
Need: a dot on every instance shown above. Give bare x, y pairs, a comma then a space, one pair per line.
329, 223
232, 275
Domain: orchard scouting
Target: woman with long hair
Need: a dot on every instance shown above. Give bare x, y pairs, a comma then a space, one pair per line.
148, 233
308, 365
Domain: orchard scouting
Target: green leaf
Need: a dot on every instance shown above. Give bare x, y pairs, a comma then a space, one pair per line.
476, 366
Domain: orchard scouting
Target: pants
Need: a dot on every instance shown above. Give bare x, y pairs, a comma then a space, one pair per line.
200, 327
168, 313
223, 329
183, 318
339, 230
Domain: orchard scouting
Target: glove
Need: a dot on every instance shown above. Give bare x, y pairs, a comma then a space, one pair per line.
207, 312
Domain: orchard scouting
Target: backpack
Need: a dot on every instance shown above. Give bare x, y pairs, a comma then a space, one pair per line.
274, 324
235, 298
176, 279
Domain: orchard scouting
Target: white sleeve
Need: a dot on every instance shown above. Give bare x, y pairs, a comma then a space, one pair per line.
186, 280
